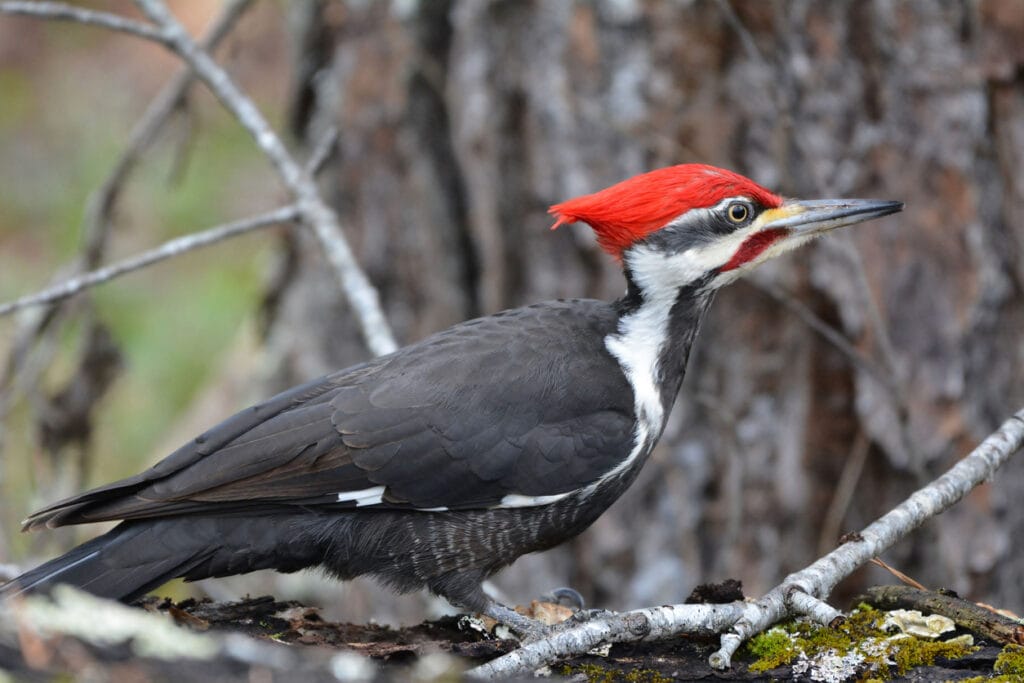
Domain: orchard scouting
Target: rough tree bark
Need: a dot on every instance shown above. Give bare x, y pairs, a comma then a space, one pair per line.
462, 120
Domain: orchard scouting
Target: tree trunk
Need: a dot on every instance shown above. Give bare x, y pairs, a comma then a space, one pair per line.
461, 121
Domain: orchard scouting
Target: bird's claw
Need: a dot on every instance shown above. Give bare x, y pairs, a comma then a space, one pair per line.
570, 597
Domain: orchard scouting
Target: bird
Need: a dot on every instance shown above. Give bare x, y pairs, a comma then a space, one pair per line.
441, 463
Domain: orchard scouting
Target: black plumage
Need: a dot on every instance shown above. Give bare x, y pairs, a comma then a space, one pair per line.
458, 421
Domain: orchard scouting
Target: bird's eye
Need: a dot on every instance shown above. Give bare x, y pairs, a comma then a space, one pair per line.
738, 212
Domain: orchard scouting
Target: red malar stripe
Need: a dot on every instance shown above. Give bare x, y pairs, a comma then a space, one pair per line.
753, 247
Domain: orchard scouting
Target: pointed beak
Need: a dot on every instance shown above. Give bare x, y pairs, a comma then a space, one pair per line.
811, 217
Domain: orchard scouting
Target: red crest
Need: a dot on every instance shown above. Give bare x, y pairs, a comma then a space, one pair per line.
634, 208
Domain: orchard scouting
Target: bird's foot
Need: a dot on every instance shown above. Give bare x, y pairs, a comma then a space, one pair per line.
568, 597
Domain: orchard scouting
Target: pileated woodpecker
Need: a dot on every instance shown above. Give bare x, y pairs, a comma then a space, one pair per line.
441, 463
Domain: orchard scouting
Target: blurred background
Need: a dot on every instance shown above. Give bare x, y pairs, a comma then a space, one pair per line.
820, 393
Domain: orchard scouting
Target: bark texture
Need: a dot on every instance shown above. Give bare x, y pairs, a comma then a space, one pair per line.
462, 120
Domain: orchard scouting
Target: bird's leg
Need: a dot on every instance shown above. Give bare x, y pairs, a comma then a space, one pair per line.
526, 628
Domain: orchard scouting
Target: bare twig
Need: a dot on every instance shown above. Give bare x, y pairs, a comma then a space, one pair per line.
821, 577
827, 332
910, 581
314, 211
96, 222
856, 259
323, 151
62, 12
815, 582
164, 251
102, 201
900, 395
853, 467
737, 25
33, 343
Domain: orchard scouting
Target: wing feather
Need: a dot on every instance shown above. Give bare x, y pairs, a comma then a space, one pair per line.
527, 402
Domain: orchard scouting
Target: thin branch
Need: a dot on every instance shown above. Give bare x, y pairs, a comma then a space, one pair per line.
101, 203
821, 577
33, 345
853, 468
361, 294
323, 151
901, 397
815, 582
827, 332
737, 25
61, 12
969, 615
167, 250
315, 212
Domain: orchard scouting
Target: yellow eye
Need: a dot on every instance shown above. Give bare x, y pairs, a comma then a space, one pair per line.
738, 212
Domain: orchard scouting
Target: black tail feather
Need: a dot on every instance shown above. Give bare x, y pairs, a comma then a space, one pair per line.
139, 556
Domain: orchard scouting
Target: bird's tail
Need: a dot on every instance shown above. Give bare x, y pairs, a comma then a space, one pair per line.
137, 556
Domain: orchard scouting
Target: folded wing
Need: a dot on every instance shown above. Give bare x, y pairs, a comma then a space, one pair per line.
484, 412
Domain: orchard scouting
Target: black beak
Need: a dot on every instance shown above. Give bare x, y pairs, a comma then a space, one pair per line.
814, 216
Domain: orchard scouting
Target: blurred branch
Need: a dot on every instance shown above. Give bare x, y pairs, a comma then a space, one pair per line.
33, 343
59, 11
900, 394
165, 251
828, 332
800, 593
323, 151
101, 203
737, 25
170, 99
853, 468
314, 211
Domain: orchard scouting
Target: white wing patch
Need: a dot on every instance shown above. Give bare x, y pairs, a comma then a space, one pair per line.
517, 500
371, 496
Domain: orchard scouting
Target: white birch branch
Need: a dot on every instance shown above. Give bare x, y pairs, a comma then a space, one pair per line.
299, 181
800, 592
61, 12
171, 248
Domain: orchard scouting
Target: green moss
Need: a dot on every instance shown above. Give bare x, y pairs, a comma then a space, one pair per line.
858, 643
1010, 661
773, 648
599, 674
914, 652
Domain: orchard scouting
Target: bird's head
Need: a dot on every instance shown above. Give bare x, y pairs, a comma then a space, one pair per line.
685, 223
